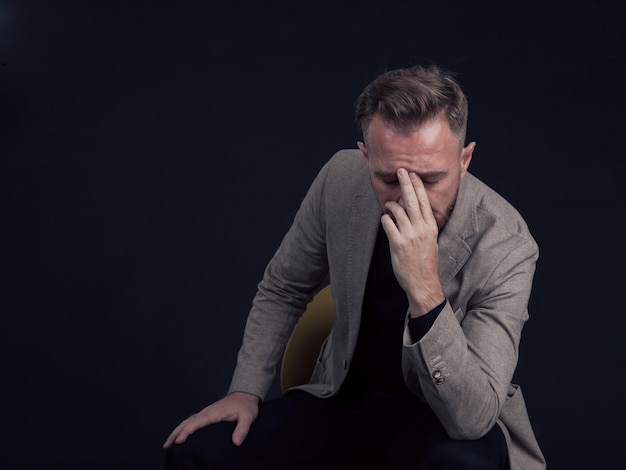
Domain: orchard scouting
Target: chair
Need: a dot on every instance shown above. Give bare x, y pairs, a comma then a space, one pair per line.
306, 340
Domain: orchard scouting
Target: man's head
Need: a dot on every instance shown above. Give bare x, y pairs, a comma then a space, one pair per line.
406, 98
415, 119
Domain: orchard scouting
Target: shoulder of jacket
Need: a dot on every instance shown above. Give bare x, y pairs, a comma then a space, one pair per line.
494, 210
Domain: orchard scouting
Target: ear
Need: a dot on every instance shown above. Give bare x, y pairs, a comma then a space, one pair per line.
363, 150
466, 157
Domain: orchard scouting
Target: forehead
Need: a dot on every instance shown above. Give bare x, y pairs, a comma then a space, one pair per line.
427, 147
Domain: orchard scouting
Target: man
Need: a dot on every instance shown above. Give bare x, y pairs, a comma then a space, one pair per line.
431, 273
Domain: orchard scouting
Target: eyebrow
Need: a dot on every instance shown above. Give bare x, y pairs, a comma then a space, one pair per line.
427, 175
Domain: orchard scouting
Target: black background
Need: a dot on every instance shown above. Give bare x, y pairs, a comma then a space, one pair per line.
153, 153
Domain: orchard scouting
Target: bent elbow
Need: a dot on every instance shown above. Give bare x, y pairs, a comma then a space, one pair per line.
471, 426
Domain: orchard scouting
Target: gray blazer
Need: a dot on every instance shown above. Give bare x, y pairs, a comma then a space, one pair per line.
464, 365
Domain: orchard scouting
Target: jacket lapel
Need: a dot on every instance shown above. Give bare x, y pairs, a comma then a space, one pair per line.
363, 228
453, 251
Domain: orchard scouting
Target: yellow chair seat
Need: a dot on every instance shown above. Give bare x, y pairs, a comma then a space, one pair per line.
306, 340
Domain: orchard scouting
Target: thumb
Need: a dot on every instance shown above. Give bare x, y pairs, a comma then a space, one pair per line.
241, 430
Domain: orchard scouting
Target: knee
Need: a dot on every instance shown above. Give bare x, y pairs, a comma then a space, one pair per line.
208, 448
179, 457
461, 455
185, 456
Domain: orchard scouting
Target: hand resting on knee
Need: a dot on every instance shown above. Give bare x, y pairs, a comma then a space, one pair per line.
241, 407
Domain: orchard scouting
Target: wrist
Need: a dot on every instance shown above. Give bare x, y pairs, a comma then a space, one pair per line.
246, 396
419, 306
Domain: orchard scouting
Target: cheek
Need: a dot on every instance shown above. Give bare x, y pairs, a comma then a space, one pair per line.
386, 193
442, 199
436, 201
392, 194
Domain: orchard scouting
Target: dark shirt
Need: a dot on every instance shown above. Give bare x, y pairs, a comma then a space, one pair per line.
376, 366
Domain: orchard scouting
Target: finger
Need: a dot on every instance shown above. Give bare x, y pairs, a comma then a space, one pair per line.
191, 425
198, 421
409, 195
389, 227
241, 430
398, 216
170, 439
422, 199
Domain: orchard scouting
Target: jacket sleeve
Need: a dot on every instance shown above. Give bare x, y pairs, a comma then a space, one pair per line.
464, 365
291, 278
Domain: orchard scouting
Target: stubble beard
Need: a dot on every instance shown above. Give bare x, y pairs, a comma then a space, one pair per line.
450, 209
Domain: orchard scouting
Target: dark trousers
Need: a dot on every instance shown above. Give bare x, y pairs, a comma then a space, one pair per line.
300, 431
